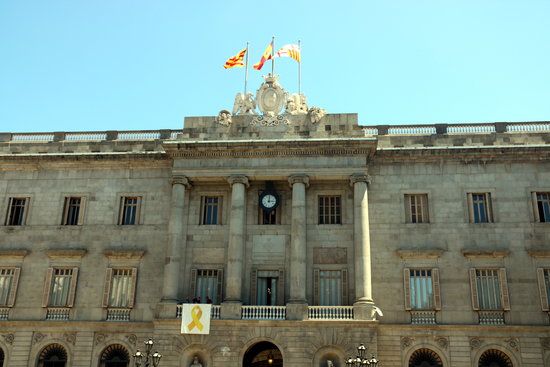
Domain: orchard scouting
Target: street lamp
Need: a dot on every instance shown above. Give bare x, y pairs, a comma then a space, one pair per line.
148, 359
362, 359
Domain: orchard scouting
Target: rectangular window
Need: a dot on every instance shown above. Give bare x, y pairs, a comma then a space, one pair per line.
416, 208
272, 217
541, 203
479, 206
207, 285
17, 211
120, 287
544, 288
211, 209
60, 287
489, 289
268, 287
129, 210
73, 212
9, 277
330, 209
330, 287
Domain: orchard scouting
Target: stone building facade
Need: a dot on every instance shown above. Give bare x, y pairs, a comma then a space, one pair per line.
429, 244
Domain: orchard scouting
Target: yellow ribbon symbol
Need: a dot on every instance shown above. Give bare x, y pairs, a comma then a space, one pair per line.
196, 314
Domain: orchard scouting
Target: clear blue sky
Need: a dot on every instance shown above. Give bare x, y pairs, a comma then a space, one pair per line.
77, 65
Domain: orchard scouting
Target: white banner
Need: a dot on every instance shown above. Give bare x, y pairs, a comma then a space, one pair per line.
195, 318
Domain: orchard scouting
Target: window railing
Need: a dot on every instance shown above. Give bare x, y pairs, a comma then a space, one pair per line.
422, 317
330, 312
491, 317
58, 313
4, 313
263, 312
214, 314
118, 314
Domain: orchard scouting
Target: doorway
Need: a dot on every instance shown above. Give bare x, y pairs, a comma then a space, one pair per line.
263, 354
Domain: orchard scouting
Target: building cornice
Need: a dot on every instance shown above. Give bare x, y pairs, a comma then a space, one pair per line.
485, 253
420, 254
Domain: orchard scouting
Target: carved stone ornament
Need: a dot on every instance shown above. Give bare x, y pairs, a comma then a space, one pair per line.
406, 342
132, 339
70, 338
241, 179
271, 97
443, 343
545, 343
513, 343
38, 337
475, 343
8, 338
244, 104
316, 114
224, 118
359, 177
296, 105
99, 338
270, 121
298, 179
181, 180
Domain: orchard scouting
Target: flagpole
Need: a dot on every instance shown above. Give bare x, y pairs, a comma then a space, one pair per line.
272, 58
246, 69
300, 68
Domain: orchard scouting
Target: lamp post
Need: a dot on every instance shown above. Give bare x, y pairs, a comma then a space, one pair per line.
147, 359
362, 359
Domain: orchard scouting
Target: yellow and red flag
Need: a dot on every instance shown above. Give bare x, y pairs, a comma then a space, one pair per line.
235, 61
266, 56
292, 51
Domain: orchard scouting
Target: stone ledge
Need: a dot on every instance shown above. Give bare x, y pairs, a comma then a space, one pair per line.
14, 253
65, 253
420, 254
124, 254
485, 253
539, 253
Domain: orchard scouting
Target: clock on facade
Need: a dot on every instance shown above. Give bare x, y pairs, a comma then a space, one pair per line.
269, 200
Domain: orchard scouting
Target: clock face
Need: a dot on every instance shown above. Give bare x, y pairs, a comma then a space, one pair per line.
269, 201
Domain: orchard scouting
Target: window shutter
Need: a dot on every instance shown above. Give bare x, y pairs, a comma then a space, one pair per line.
281, 290
542, 290
26, 210
254, 287
107, 286
408, 209
345, 290
425, 209
220, 285
220, 210
121, 210
437, 289
65, 210
489, 208
407, 288
193, 283
132, 290
47, 287
82, 210
138, 209
471, 208
72, 291
504, 289
535, 206
316, 286
13, 290
8, 214
473, 290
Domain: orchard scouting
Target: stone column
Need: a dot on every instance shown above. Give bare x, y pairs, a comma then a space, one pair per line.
235, 250
298, 239
176, 240
364, 304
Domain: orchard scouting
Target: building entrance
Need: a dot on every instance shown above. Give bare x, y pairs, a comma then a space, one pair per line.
263, 354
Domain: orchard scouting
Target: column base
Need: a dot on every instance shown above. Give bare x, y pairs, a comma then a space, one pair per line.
364, 310
166, 310
296, 310
231, 310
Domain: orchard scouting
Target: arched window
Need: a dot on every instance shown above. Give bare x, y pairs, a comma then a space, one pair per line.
494, 358
1, 358
54, 355
425, 358
115, 355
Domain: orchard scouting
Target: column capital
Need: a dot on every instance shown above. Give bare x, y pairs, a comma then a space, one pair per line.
359, 177
181, 180
302, 178
242, 179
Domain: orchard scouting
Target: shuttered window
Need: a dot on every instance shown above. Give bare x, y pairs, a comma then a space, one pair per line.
120, 287
544, 288
541, 205
422, 289
267, 287
416, 208
479, 207
207, 284
73, 210
17, 211
330, 287
60, 287
489, 289
130, 207
9, 278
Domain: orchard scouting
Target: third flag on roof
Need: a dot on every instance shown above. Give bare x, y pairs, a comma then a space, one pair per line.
292, 51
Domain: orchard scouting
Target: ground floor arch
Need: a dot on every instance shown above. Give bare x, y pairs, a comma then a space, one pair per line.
263, 354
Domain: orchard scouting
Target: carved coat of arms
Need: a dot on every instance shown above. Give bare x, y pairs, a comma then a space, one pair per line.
271, 97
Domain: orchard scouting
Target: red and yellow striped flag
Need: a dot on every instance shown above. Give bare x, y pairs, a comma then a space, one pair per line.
266, 56
289, 51
235, 61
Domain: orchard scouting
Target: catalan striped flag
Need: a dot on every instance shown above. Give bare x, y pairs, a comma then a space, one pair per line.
235, 61
266, 56
289, 51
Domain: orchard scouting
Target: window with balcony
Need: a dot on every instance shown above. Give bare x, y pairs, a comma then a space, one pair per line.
480, 208
422, 294
17, 211
330, 209
9, 278
489, 291
211, 210
330, 287
130, 207
73, 211
267, 287
541, 205
59, 292
120, 287
543, 276
206, 285
416, 208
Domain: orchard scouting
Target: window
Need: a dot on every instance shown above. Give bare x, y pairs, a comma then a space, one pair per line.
17, 211
330, 209
416, 208
267, 287
544, 288
115, 355
54, 355
489, 289
541, 204
422, 289
271, 217
211, 210
479, 206
60, 287
330, 287
9, 277
129, 210
425, 357
73, 212
206, 285
120, 287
